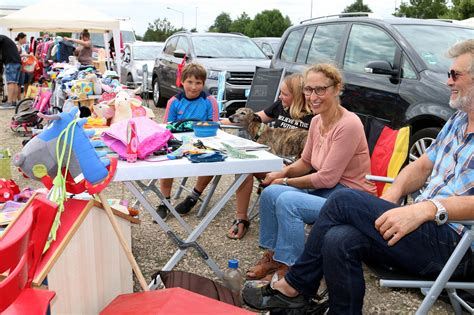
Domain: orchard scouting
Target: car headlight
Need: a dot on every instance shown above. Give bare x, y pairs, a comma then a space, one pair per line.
213, 74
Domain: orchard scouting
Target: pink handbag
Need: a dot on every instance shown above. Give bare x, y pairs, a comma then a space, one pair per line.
151, 137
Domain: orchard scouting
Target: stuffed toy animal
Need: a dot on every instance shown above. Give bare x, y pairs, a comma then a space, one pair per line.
102, 110
127, 107
38, 158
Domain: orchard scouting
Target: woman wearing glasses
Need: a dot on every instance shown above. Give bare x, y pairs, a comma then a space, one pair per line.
290, 111
336, 155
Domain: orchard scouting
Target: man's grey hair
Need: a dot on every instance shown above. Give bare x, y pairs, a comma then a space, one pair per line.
462, 48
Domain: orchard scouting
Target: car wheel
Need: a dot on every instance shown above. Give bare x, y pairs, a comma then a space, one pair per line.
420, 141
157, 98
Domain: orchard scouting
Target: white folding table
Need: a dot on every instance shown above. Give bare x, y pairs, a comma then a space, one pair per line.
132, 173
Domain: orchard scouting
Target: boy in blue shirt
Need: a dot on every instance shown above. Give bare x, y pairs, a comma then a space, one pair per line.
193, 103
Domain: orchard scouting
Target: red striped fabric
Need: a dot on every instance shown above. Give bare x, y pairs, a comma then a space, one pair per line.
380, 158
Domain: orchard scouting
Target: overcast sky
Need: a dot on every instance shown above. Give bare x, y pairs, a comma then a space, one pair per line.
142, 12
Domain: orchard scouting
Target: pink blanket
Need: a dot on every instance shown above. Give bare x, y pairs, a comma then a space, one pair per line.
151, 137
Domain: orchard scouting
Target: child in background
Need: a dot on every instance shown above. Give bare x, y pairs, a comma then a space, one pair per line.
193, 103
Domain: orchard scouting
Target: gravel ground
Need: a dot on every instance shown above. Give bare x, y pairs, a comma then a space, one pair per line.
152, 248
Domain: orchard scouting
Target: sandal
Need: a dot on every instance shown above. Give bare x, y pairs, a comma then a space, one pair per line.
235, 229
266, 265
280, 272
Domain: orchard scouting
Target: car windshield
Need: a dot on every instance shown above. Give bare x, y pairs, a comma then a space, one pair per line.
146, 52
431, 42
226, 47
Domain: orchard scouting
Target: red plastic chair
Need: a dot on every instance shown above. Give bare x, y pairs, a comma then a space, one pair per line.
21, 247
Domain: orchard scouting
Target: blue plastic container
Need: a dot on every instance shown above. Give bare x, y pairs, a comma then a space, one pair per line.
204, 129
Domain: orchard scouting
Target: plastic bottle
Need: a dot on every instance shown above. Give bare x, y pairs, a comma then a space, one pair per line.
233, 277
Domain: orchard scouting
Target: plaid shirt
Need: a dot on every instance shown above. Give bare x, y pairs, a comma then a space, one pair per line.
452, 156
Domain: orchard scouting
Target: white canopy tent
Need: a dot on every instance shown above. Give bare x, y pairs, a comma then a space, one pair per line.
64, 16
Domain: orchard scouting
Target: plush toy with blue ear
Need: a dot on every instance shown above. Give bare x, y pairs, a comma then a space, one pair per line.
39, 158
59, 155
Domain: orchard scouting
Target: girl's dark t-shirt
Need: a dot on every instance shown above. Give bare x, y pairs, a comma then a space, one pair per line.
282, 119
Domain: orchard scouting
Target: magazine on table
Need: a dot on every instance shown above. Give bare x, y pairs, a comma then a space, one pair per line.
234, 141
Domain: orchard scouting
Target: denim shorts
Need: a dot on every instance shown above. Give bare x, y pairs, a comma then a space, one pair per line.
12, 72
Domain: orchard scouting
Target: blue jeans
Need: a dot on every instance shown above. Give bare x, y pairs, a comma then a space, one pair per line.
344, 235
284, 211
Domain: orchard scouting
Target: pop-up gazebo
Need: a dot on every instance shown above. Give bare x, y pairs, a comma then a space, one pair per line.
64, 16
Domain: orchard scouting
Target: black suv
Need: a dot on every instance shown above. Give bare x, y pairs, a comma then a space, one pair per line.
394, 69
236, 54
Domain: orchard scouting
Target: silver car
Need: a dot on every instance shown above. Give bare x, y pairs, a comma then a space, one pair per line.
234, 54
136, 55
269, 45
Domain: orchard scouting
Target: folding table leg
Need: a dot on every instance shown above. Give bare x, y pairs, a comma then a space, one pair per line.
148, 207
210, 193
151, 186
201, 227
180, 188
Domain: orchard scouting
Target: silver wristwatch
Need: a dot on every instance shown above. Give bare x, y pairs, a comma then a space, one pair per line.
285, 181
441, 215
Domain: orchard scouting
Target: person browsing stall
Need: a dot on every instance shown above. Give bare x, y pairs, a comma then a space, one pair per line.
354, 226
11, 60
25, 77
335, 156
195, 104
84, 52
290, 111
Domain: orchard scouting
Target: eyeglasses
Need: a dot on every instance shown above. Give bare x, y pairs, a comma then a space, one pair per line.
318, 90
455, 74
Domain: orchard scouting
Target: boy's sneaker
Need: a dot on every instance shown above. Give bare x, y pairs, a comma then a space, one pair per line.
162, 211
186, 205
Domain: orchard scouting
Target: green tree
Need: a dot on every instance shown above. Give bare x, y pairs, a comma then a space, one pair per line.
460, 10
423, 9
64, 34
240, 25
159, 30
221, 24
357, 6
268, 23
